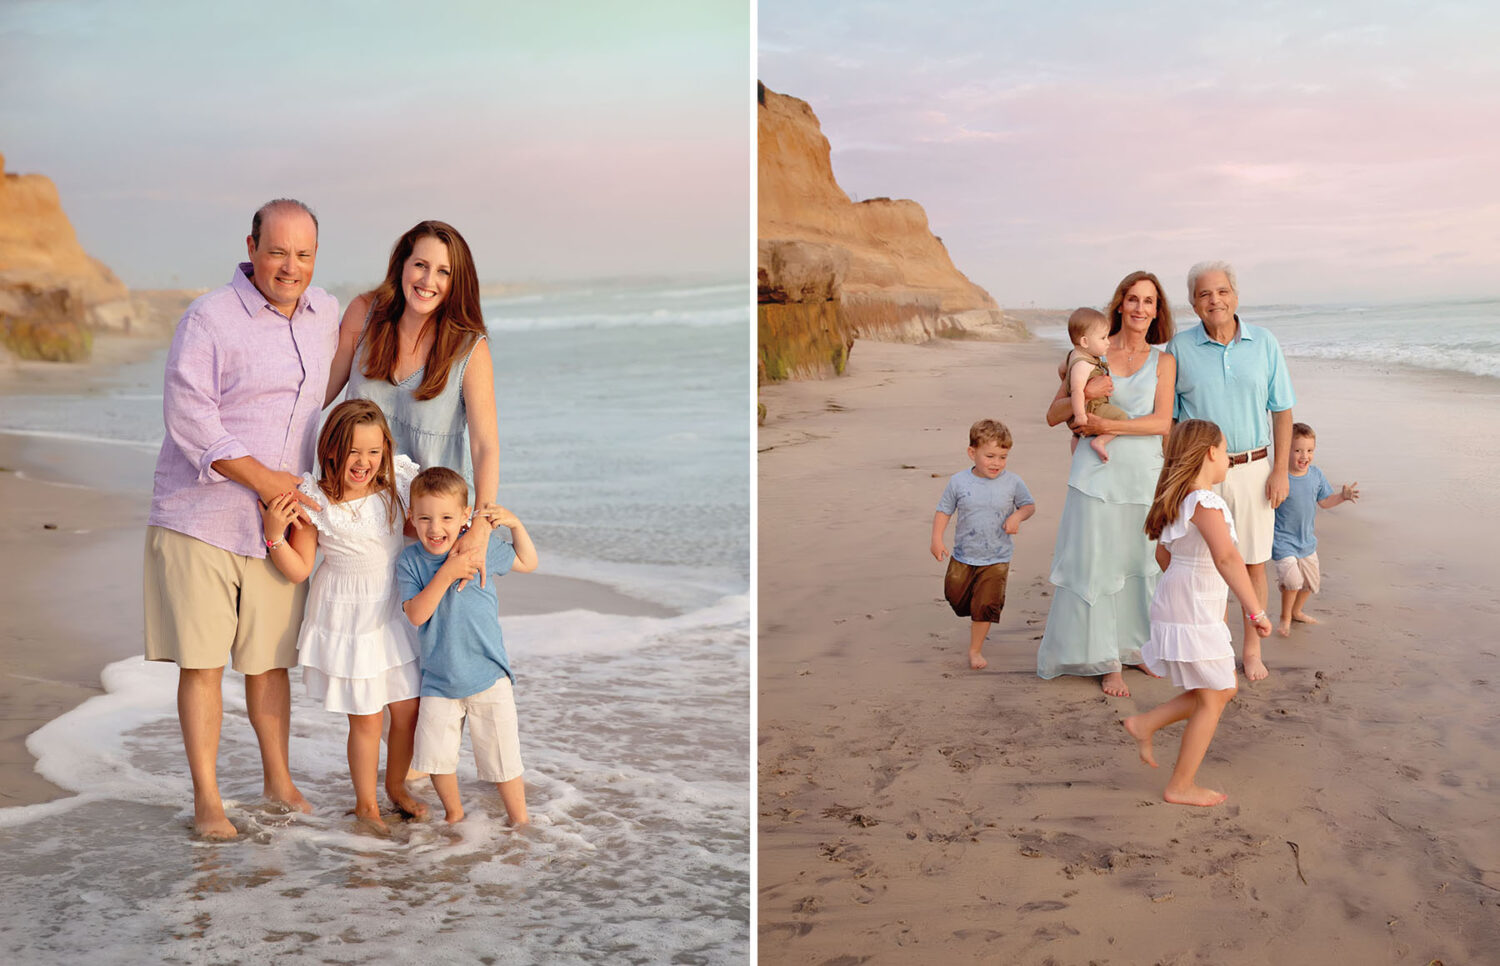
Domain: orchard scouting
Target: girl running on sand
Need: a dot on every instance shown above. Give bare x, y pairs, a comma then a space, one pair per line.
357, 651
1189, 639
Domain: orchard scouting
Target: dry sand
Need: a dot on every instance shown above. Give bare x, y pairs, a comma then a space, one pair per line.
913, 811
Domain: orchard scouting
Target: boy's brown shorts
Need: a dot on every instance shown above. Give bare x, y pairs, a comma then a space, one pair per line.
976, 592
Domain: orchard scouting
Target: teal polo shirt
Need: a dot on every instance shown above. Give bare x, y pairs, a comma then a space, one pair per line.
1235, 385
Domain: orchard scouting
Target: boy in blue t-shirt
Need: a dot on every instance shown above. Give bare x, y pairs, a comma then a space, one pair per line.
1294, 544
465, 672
990, 505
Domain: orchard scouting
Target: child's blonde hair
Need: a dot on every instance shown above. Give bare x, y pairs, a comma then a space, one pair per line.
337, 439
441, 481
1084, 319
989, 431
1302, 429
1186, 449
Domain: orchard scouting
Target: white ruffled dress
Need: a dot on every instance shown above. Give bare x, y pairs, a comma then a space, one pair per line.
1189, 640
357, 650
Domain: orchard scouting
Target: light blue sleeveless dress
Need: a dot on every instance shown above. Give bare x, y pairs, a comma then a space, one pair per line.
433, 432
1104, 568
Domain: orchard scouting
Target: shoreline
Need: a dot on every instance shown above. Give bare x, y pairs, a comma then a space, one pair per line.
68, 541
907, 801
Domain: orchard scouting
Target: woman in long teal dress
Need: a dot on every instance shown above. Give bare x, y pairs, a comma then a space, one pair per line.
1103, 568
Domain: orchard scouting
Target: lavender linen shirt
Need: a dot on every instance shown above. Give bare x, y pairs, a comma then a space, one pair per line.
242, 380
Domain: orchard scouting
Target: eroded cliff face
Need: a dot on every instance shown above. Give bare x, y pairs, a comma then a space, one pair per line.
52, 293
831, 269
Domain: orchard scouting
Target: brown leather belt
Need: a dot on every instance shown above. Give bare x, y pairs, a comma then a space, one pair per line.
1235, 459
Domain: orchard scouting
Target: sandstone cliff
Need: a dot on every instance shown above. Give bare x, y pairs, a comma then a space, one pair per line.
52, 293
831, 269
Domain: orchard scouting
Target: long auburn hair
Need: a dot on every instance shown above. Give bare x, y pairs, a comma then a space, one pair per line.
1161, 328
1186, 448
337, 439
458, 321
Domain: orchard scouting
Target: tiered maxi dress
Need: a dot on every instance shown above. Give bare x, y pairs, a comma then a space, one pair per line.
1189, 639
1103, 568
357, 650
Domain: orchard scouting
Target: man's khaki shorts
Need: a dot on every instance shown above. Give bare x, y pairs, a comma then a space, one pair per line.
205, 605
1244, 489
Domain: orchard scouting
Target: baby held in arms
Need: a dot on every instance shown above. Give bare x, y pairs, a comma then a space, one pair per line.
1088, 329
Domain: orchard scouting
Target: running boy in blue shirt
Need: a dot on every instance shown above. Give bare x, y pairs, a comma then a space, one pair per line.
465, 671
990, 505
1294, 544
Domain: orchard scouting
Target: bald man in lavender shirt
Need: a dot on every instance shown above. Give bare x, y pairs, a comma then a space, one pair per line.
244, 388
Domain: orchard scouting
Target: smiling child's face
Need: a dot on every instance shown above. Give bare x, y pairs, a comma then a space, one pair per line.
438, 518
1302, 453
362, 461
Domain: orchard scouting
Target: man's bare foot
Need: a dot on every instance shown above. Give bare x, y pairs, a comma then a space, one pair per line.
1285, 628
410, 809
1142, 741
1099, 447
1194, 795
977, 661
1302, 618
1255, 669
214, 828
1113, 684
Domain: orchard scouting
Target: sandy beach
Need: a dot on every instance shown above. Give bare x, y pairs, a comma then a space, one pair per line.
911, 810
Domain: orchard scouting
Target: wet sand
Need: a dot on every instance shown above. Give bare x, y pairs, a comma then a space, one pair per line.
912, 810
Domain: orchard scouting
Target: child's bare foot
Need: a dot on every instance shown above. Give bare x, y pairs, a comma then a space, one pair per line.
1194, 795
1285, 627
410, 809
453, 815
1255, 669
1302, 618
1146, 670
1099, 447
288, 798
1113, 684
214, 828
977, 661
368, 817
1142, 740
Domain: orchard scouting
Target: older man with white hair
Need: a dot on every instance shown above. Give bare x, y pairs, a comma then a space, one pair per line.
1233, 374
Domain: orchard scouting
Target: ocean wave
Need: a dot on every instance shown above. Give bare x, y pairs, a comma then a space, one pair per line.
701, 318
1449, 358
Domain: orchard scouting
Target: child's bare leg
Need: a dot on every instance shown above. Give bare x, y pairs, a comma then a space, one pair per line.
364, 765
1297, 612
1099, 443
513, 797
1255, 668
1288, 596
446, 787
1182, 787
978, 631
1142, 726
398, 751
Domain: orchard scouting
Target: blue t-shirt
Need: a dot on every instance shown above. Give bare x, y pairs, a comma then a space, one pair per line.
1293, 535
463, 652
979, 507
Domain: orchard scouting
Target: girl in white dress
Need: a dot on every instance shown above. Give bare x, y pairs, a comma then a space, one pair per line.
357, 651
1189, 639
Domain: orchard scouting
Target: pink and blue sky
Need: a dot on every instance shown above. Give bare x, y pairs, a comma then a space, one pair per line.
1341, 151
564, 140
